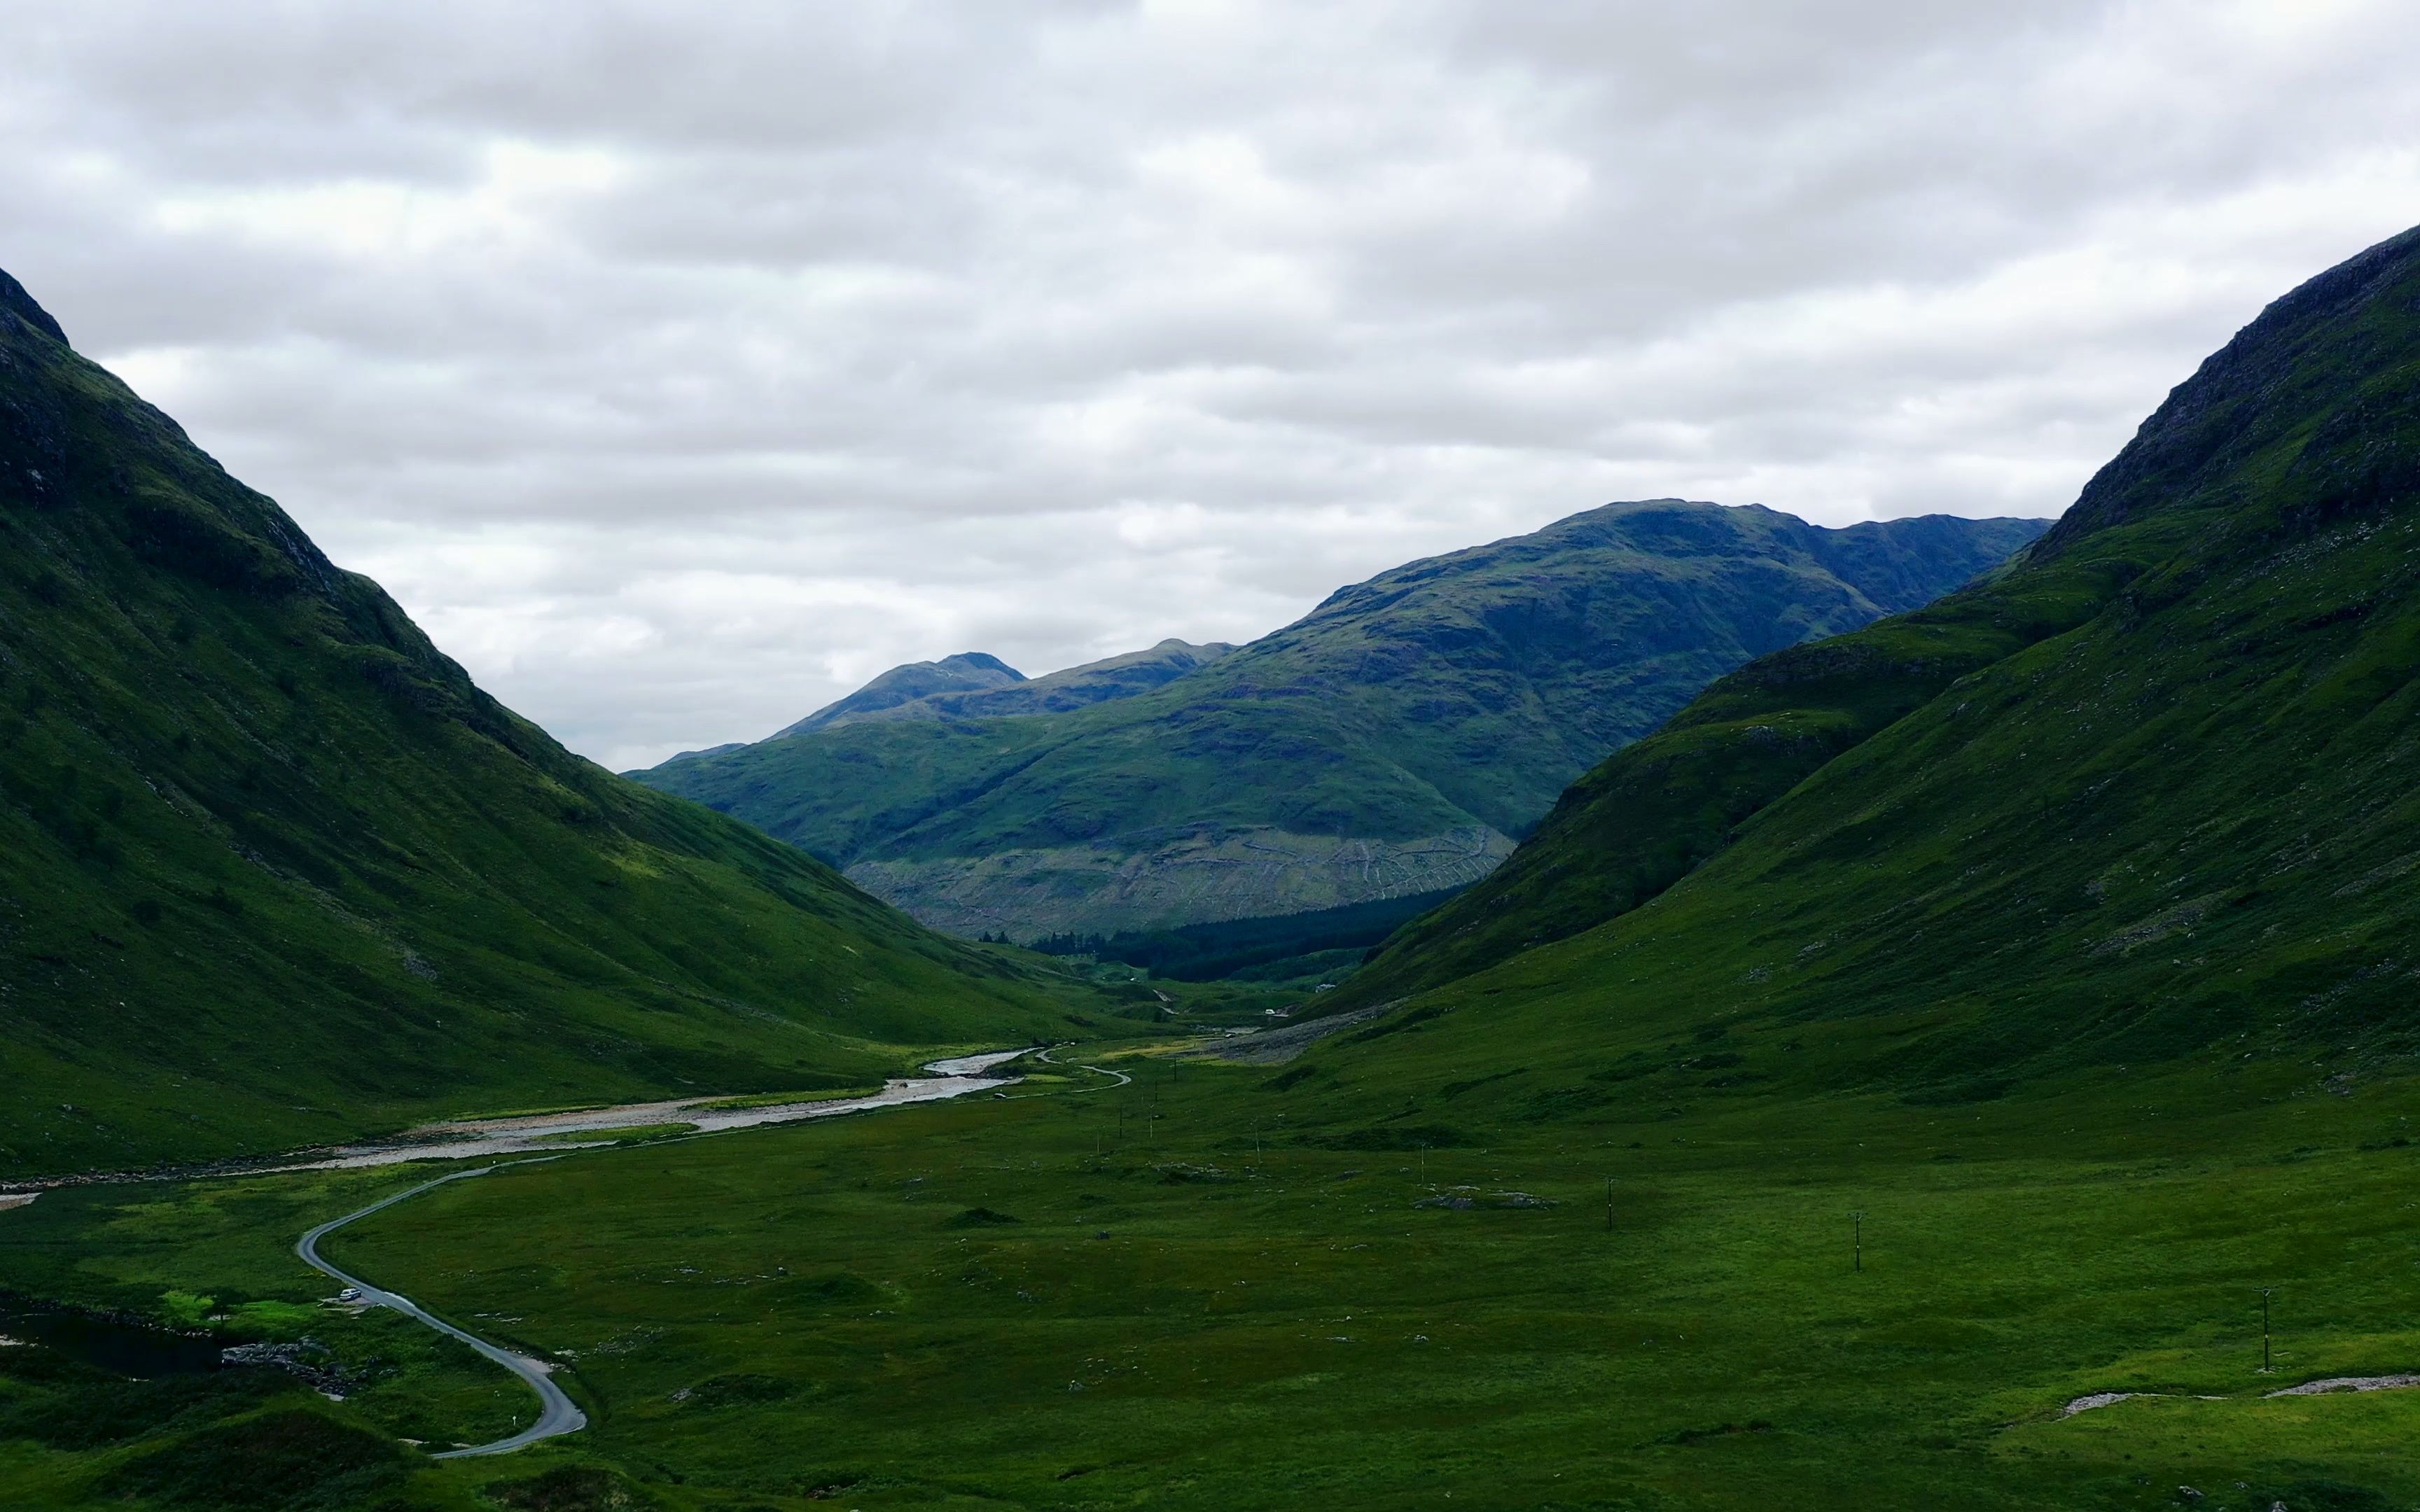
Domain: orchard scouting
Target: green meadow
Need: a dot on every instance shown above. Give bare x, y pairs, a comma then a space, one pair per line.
1189, 1292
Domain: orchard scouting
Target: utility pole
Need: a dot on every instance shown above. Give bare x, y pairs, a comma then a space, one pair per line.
1608, 1204
2264, 1328
1424, 1163
1857, 1242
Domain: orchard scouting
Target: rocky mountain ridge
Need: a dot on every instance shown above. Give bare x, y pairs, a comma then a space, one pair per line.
1393, 741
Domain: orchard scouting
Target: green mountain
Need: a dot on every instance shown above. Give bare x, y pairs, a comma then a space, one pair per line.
1390, 743
912, 687
2151, 791
273, 870
974, 685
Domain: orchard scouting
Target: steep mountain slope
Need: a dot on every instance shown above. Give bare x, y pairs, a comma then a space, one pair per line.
1389, 742
272, 869
1654, 810
2153, 791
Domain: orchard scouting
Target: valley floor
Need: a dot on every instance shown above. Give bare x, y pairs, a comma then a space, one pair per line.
1158, 1294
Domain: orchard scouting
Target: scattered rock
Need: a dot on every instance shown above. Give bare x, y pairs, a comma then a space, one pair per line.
2316, 1388
2103, 1399
1463, 1199
307, 1360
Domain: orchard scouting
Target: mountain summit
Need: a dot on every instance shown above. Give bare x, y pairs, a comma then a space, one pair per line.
966, 672
974, 685
1389, 744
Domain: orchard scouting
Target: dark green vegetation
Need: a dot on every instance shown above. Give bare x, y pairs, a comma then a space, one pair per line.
271, 870
1240, 1304
1206, 952
253, 1437
1389, 742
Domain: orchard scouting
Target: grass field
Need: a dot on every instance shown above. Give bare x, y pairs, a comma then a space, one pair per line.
1057, 1299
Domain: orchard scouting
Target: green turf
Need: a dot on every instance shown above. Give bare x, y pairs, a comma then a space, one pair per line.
920, 1306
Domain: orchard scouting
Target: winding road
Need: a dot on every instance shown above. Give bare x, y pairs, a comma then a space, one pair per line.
558, 1413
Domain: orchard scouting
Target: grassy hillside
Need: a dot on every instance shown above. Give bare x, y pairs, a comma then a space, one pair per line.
1389, 742
272, 869
1651, 812
2225, 611
2149, 794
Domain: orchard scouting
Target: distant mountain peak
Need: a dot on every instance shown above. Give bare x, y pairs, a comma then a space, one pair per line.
966, 672
980, 663
1389, 742
974, 685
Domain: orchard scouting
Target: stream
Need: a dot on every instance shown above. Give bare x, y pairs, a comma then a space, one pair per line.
131, 1349
557, 1413
555, 1132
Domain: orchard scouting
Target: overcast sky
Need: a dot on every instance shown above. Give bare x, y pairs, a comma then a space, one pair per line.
680, 366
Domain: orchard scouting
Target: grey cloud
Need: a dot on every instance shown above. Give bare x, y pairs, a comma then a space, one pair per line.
681, 368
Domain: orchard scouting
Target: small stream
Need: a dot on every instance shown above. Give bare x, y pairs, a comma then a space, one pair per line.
120, 1349
556, 1133
142, 1354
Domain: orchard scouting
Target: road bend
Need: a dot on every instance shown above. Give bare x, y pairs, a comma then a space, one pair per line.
558, 1414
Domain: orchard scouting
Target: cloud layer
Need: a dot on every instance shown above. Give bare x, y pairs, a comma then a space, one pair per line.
681, 368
